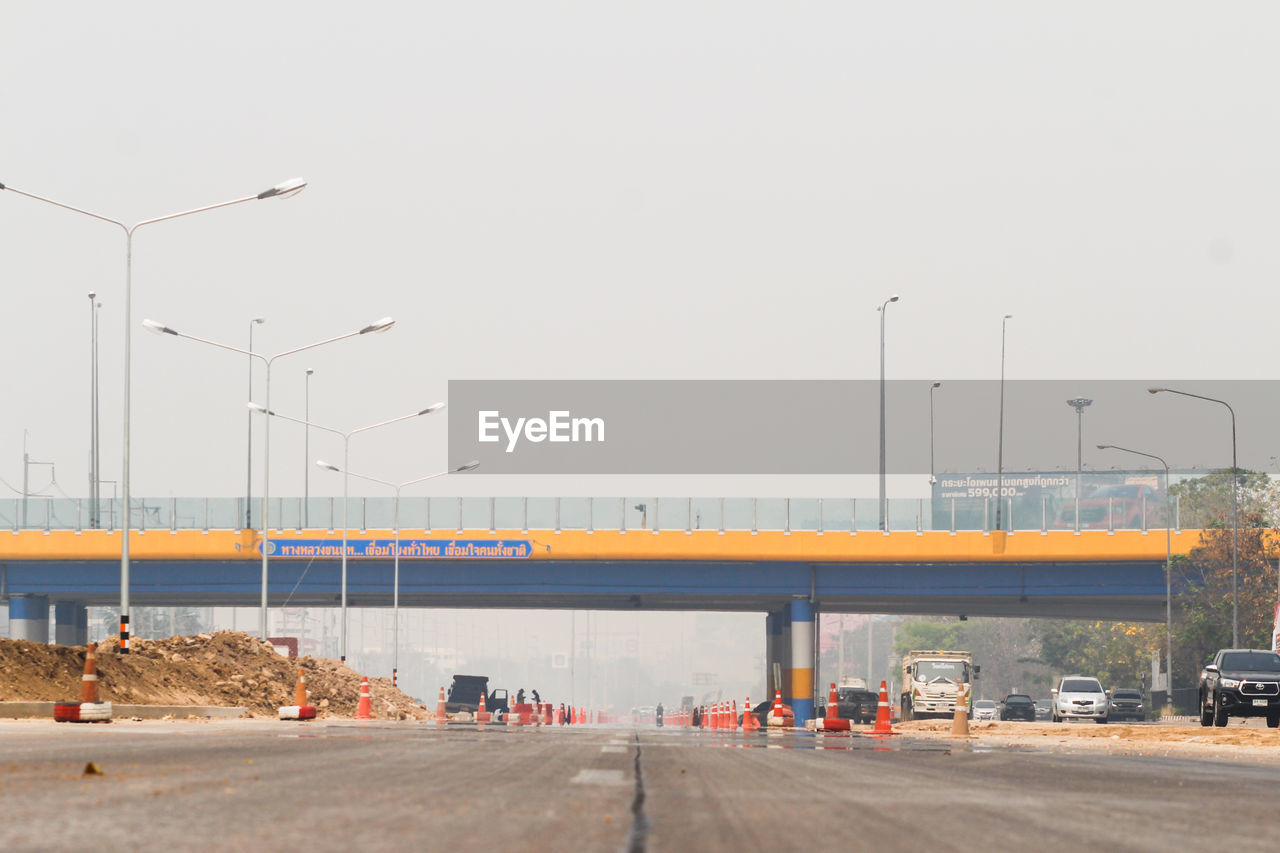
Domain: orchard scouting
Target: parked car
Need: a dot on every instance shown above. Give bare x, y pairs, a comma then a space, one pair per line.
857, 705
1018, 706
1240, 683
1044, 709
985, 709
1126, 704
1079, 697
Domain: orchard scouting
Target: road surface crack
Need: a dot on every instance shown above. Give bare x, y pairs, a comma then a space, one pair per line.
639, 835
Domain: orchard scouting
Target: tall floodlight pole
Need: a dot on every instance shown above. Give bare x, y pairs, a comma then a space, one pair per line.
933, 478
395, 584
1000, 440
346, 458
280, 190
95, 472
248, 477
306, 445
1235, 512
1168, 563
161, 329
884, 500
1079, 404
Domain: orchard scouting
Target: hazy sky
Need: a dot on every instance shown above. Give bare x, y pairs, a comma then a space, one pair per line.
586, 190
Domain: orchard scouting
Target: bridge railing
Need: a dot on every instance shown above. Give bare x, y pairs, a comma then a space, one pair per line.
632, 514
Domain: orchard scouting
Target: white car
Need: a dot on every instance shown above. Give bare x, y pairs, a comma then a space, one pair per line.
1081, 698
985, 709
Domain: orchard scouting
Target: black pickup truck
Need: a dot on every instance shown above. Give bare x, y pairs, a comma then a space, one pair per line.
1240, 683
857, 705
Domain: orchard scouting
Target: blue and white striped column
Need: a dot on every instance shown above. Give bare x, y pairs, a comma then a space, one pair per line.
29, 618
70, 623
800, 696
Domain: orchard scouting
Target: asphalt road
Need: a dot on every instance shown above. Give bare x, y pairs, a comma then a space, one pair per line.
266, 785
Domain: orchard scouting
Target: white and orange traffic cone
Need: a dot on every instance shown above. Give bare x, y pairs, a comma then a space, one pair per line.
364, 707
960, 720
482, 716
882, 726
88, 709
749, 721
776, 716
441, 716
832, 722
299, 710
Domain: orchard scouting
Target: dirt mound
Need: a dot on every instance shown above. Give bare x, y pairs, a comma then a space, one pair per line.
225, 668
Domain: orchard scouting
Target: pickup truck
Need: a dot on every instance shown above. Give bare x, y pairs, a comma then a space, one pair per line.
1240, 683
857, 705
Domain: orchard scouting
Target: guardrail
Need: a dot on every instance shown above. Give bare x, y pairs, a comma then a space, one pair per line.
851, 516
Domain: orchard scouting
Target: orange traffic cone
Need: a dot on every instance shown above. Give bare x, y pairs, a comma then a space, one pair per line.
882, 726
89, 681
299, 710
88, 709
832, 721
441, 716
733, 716
960, 720
749, 721
482, 716
364, 706
775, 717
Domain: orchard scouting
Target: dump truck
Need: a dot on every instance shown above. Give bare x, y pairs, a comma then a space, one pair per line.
465, 693
931, 681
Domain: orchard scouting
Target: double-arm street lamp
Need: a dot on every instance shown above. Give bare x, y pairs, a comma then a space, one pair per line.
280, 190
1168, 562
1000, 439
346, 454
395, 594
933, 478
1235, 512
161, 329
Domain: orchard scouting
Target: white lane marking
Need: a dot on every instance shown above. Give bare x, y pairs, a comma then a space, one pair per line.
598, 777
613, 749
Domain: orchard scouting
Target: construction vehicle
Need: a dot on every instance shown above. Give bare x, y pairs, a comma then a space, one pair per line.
465, 693
931, 681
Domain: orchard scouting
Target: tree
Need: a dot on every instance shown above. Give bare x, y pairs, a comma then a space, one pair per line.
1117, 653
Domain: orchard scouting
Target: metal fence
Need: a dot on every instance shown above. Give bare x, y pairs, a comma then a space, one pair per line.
851, 516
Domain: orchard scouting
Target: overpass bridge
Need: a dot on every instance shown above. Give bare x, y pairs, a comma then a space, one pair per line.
789, 559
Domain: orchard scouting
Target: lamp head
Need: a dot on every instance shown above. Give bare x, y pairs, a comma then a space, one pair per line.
936, 385
310, 371
284, 189
1106, 447
158, 328
378, 326
259, 320
1079, 404
92, 295
470, 466
320, 463
434, 407
1156, 390
894, 298
258, 409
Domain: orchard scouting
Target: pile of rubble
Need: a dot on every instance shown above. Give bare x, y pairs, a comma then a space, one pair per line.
225, 668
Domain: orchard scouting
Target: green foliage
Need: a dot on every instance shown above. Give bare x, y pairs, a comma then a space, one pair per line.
1116, 653
1205, 502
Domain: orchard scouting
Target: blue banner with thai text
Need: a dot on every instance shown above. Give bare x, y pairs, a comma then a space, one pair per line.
445, 549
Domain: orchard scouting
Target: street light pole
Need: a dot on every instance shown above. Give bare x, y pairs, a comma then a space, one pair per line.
1168, 563
284, 189
932, 471
248, 478
95, 472
884, 501
346, 458
306, 467
395, 594
1079, 404
161, 329
1000, 440
1235, 512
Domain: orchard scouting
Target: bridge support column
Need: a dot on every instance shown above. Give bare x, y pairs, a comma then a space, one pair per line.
70, 623
29, 618
778, 651
800, 696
